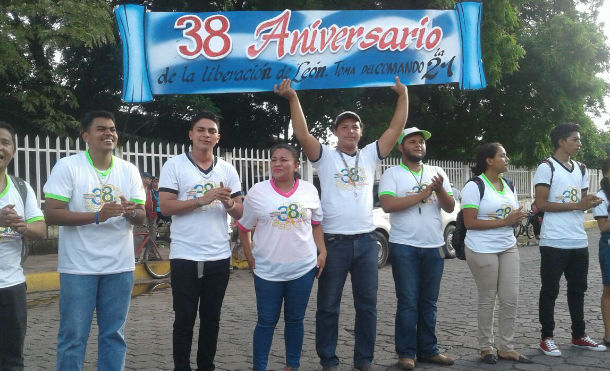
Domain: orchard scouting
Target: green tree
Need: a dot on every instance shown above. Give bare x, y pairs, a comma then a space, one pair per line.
33, 35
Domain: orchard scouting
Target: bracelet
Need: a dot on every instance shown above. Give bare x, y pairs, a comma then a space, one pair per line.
97, 217
197, 203
231, 208
133, 214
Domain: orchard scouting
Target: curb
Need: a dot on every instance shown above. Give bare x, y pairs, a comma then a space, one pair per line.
49, 281
590, 224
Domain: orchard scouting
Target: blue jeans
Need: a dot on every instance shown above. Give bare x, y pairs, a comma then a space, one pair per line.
79, 295
417, 275
358, 256
270, 295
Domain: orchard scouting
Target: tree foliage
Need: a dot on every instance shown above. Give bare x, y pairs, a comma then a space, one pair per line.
61, 58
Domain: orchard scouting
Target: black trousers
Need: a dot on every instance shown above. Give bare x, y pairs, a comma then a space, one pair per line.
190, 292
574, 264
13, 323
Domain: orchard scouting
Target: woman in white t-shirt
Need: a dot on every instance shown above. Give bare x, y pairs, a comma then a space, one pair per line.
287, 253
603, 222
491, 250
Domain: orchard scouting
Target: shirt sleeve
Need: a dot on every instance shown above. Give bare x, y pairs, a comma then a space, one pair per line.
59, 186
168, 181
249, 215
543, 175
387, 185
234, 182
137, 193
601, 210
316, 214
31, 210
446, 182
371, 154
471, 197
585, 180
324, 151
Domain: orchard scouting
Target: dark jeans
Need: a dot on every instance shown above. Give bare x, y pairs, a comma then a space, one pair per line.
13, 323
574, 264
270, 295
358, 256
190, 292
417, 275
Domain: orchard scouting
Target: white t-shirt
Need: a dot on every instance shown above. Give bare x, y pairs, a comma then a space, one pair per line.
283, 244
494, 205
601, 210
104, 248
347, 204
11, 272
565, 229
409, 226
202, 234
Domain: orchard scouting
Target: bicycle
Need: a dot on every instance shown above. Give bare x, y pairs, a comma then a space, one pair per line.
155, 254
526, 226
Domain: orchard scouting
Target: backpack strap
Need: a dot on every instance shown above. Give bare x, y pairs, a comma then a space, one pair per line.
479, 182
510, 184
550, 163
21, 187
583, 168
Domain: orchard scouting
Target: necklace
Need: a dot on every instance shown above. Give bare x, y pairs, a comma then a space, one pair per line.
419, 185
352, 176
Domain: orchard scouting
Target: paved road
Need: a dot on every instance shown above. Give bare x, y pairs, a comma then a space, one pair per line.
148, 329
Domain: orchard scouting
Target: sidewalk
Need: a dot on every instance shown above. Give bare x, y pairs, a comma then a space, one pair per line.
41, 270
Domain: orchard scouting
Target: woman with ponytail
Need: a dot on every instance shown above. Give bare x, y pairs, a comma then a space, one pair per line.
491, 251
601, 215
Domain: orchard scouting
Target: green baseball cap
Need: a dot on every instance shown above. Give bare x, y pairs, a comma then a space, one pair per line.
412, 130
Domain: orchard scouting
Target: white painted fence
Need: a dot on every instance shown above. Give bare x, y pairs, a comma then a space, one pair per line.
35, 157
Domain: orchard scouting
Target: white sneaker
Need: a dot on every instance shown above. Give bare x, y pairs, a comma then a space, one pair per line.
586, 342
548, 347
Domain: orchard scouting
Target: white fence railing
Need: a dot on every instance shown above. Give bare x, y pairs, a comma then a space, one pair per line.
35, 158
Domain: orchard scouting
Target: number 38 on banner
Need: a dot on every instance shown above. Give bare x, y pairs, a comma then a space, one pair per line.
208, 38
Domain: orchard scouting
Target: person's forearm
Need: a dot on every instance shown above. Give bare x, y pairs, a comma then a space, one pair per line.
174, 207
36, 230
318, 237
391, 204
68, 218
445, 200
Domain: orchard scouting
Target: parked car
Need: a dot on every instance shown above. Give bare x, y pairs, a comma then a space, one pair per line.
381, 220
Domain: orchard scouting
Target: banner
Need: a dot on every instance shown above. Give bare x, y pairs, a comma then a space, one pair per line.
198, 53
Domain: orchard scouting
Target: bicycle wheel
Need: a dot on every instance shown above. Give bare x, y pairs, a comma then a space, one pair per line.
529, 229
156, 258
517, 230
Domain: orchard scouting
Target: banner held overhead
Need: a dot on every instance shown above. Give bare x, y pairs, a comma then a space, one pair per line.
200, 53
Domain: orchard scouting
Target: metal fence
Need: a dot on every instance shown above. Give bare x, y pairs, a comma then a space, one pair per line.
35, 158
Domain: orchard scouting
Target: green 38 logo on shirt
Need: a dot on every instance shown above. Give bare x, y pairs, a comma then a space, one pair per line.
100, 195
288, 216
350, 178
570, 195
502, 212
199, 190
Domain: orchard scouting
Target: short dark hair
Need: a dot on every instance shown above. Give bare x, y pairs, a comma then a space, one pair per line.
205, 115
88, 118
487, 150
348, 115
563, 131
11, 130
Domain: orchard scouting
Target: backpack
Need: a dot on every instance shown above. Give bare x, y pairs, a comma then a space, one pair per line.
459, 233
539, 215
23, 192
